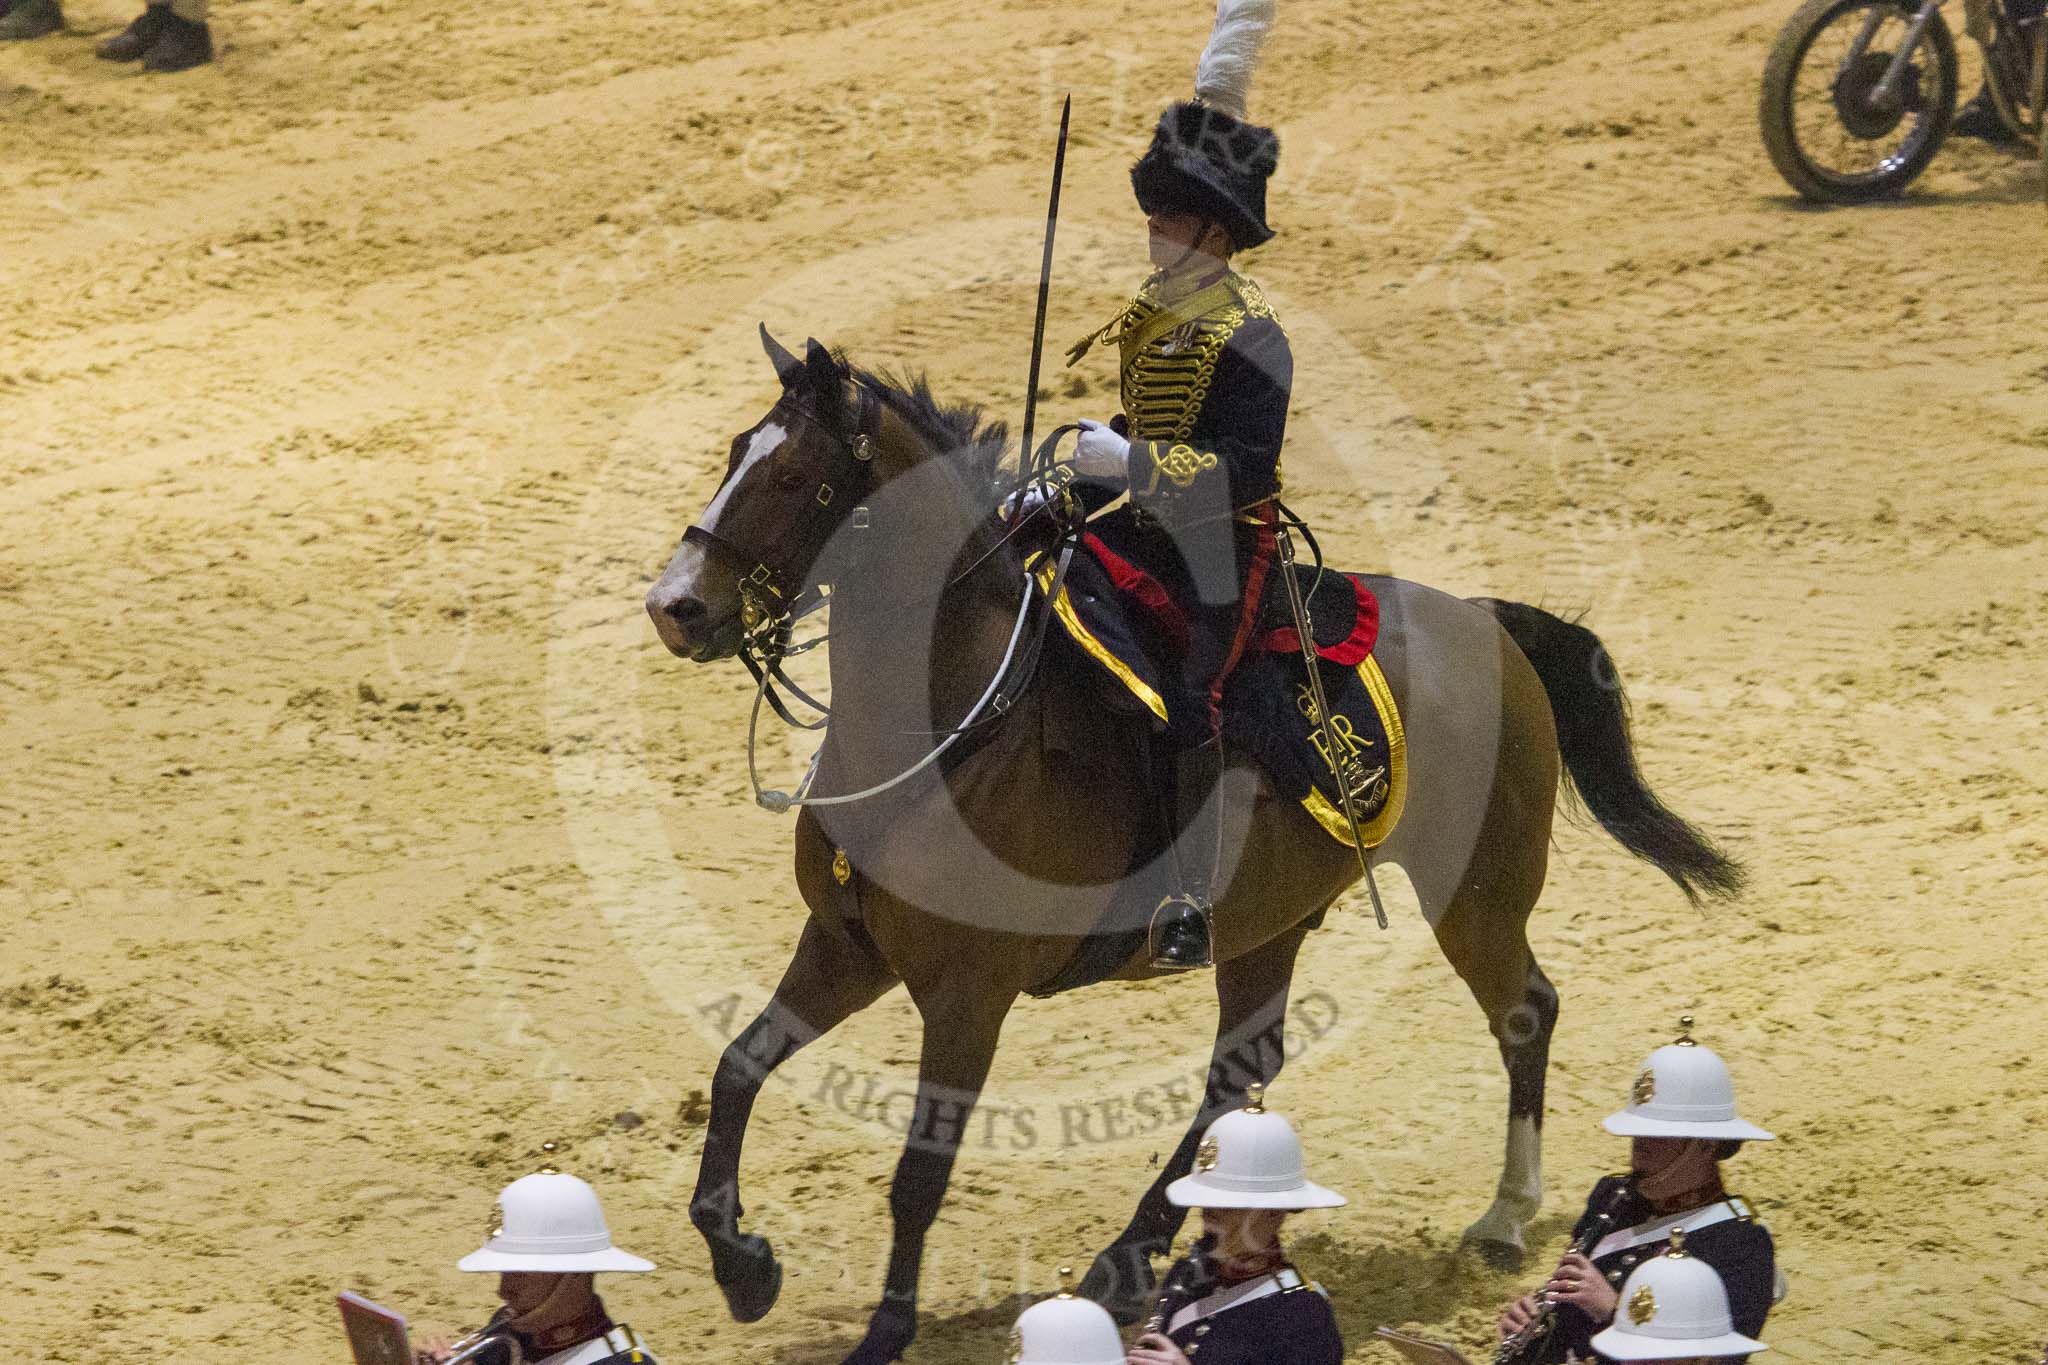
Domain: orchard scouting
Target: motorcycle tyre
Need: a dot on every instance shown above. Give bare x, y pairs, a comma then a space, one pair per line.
1775, 109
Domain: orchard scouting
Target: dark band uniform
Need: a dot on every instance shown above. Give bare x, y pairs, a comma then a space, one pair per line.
1276, 1319
1738, 1248
1205, 382
609, 1343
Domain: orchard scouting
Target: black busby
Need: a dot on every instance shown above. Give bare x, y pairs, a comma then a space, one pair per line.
1207, 158
1208, 163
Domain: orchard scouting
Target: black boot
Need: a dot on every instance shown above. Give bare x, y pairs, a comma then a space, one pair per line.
1180, 925
131, 42
24, 19
181, 46
1180, 935
1979, 119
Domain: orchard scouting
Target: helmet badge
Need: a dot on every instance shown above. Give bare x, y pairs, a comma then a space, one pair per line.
1642, 1306
1645, 1088
1207, 1154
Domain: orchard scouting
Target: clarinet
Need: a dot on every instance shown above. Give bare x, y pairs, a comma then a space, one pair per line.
1528, 1346
1191, 1277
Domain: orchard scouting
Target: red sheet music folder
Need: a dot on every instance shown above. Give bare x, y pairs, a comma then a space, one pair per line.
375, 1334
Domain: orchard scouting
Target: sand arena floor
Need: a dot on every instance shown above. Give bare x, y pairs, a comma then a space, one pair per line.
359, 835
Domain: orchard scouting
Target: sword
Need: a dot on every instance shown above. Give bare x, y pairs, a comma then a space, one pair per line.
1052, 219
1304, 630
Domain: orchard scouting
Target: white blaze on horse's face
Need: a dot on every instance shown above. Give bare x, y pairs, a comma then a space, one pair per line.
767, 439
687, 624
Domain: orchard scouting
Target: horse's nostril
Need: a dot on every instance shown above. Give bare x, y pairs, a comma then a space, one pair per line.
680, 607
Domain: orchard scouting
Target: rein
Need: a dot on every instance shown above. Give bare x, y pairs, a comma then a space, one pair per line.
772, 602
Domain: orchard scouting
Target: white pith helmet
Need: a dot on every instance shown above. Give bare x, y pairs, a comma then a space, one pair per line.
550, 1222
1683, 1091
1064, 1330
1250, 1159
1673, 1307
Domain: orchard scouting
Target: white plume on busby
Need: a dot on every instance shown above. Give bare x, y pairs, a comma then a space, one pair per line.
1223, 78
1207, 159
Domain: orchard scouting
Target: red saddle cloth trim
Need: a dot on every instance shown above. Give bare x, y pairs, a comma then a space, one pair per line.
1148, 591
1348, 652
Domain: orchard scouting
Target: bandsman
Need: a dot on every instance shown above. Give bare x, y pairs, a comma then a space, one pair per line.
1674, 1308
1065, 1330
1247, 1305
549, 1239
1681, 1124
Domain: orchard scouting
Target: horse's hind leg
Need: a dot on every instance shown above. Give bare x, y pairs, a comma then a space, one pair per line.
829, 979
1251, 996
1484, 939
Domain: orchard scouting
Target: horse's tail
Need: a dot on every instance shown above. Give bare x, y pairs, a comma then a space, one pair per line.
1592, 715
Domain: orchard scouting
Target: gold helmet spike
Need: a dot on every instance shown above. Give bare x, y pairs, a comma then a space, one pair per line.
1066, 1282
1685, 1031
1255, 1098
1677, 1247
547, 1160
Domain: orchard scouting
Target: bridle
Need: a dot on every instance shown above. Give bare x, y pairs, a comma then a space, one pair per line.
774, 597
772, 593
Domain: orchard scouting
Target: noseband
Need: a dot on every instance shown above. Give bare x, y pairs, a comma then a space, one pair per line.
772, 592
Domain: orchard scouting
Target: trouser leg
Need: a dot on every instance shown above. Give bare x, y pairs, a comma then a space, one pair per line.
1219, 632
1181, 931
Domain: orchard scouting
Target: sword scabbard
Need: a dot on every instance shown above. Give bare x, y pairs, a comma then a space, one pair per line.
1304, 630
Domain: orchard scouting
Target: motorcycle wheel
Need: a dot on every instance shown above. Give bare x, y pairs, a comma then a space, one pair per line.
1824, 136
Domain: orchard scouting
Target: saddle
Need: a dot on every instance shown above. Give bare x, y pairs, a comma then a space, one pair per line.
1125, 625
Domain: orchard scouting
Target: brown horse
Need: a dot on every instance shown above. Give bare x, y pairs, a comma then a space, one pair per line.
975, 880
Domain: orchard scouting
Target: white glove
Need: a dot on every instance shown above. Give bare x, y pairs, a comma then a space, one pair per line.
1102, 455
1027, 499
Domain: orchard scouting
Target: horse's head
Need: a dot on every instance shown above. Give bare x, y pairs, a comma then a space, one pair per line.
789, 480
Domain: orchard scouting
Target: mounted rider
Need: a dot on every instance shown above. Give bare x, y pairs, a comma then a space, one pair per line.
1205, 375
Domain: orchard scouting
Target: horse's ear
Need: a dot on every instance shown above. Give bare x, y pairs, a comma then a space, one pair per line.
787, 367
826, 374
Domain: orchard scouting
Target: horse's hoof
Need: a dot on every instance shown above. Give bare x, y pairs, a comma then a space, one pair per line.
890, 1333
751, 1279
1122, 1282
1498, 1255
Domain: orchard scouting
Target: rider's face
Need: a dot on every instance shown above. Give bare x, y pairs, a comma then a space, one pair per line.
1172, 236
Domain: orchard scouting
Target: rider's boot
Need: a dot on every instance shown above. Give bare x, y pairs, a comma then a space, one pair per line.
1979, 119
181, 46
25, 19
1181, 923
132, 42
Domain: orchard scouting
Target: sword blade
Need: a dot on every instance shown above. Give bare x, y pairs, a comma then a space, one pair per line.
1052, 220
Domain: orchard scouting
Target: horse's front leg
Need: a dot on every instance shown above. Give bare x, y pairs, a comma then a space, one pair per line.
960, 1031
828, 979
1251, 997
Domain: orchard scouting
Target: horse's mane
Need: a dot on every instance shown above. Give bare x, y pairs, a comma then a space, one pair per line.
960, 431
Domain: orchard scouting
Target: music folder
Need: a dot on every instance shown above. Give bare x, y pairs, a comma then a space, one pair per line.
1420, 1351
376, 1335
